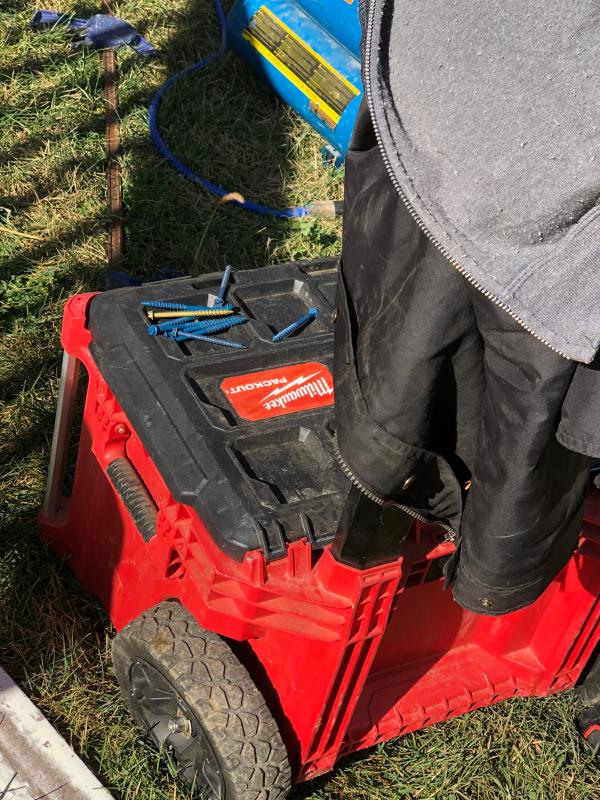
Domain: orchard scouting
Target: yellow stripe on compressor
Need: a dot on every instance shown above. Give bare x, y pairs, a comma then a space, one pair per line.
328, 90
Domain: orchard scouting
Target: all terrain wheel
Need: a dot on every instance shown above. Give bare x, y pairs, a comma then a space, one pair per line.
193, 697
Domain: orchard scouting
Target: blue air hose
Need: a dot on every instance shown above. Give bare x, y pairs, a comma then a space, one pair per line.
171, 158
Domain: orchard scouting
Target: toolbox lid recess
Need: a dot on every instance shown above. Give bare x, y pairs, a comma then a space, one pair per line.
244, 437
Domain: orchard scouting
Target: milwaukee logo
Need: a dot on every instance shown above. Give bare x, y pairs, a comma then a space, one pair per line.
248, 387
300, 387
303, 387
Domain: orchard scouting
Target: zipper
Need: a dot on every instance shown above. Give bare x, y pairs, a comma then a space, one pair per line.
380, 500
473, 281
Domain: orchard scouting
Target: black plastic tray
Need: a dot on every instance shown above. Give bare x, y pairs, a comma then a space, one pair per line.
255, 484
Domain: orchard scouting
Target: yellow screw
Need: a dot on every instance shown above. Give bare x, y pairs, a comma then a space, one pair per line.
212, 312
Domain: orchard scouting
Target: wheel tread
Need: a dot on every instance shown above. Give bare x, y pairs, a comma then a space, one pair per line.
213, 681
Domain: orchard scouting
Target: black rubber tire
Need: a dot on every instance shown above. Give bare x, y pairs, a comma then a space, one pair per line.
588, 692
219, 693
588, 725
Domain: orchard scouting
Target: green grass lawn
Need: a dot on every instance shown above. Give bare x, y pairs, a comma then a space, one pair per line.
54, 639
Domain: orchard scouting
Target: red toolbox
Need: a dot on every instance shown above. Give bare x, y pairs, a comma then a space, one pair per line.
205, 501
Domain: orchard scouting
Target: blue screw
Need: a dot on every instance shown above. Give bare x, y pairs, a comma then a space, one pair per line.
154, 330
223, 287
164, 305
213, 326
181, 323
202, 338
313, 313
187, 324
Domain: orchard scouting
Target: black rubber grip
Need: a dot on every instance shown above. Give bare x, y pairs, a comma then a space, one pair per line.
134, 495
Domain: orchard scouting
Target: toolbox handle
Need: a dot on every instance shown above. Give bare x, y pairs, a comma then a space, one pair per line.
135, 497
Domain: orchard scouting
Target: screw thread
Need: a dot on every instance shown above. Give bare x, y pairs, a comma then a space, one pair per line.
213, 326
299, 323
224, 342
210, 312
166, 305
220, 298
163, 327
182, 322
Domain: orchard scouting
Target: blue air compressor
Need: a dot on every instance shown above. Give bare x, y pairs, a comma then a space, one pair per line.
308, 52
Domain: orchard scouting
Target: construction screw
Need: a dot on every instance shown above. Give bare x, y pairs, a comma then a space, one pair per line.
202, 312
154, 330
180, 322
187, 324
200, 337
215, 325
220, 299
167, 305
210, 326
313, 313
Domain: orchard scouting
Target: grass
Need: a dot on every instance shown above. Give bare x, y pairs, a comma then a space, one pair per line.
54, 639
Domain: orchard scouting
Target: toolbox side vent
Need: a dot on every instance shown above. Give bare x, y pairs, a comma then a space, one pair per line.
417, 573
426, 571
175, 567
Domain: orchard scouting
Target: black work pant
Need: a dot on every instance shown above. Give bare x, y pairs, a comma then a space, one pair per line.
445, 404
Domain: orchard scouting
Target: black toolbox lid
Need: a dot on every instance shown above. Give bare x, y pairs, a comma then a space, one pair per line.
255, 483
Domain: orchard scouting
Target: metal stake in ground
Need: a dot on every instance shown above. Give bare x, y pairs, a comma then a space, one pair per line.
113, 170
